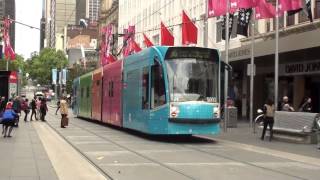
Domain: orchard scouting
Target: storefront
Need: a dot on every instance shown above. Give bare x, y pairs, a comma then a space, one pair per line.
299, 69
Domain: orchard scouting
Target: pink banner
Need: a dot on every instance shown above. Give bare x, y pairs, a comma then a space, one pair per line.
288, 5
247, 3
265, 10
219, 7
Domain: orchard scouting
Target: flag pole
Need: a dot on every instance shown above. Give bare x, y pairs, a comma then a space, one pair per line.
252, 70
226, 114
205, 28
276, 71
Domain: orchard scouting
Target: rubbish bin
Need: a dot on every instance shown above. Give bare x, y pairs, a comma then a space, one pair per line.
232, 113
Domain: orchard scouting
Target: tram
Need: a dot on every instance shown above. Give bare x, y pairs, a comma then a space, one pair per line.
160, 90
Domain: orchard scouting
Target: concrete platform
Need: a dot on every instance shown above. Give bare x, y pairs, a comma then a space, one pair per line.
24, 157
134, 156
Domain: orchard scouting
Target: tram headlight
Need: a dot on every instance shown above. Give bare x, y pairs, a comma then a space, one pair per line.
174, 111
216, 112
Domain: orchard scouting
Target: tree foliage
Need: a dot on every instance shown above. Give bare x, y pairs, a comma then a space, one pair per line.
39, 65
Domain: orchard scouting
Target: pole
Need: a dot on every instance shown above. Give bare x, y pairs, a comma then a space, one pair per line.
276, 70
226, 114
7, 64
205, 28
252, 72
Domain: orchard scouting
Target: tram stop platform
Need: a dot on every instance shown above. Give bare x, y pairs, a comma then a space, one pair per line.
36, 152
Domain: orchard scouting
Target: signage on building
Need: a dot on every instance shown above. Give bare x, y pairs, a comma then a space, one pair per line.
302, 68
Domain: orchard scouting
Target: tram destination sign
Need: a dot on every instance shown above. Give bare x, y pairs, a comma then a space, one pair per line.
191, 52
303, 68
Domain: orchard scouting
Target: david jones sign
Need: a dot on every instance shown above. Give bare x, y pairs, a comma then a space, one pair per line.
311, 67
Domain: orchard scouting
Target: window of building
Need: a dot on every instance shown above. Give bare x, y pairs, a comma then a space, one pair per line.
145, 88
317, 9
281, 23
219, 30
158, 97
234, 27
303, 17
290, 20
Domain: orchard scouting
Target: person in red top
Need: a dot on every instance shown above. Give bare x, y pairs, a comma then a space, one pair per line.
43, 109
25, 108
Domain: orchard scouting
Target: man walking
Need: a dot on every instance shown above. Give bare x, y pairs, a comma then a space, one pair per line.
16, 106
33, 106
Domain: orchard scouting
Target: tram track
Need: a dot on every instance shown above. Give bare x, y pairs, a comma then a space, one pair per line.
190, 147
244, 162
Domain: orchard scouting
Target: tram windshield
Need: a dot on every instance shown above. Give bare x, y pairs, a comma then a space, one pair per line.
193, 79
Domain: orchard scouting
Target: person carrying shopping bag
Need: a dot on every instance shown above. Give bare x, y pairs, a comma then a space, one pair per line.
64, 112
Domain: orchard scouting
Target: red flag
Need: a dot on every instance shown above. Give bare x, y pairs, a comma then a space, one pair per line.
289, 5
246, 4
265, 10
106, 56
219, 7
147, 41
135, 47
8, 51
167, 38
189, 30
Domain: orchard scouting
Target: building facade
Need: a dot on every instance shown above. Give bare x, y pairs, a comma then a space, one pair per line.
88, 9
299, 43
8, 9
109, 14
59, 13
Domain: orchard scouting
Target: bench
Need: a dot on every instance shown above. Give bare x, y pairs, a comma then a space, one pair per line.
295, 126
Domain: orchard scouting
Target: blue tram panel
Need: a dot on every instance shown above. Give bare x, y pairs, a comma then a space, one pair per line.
172, 90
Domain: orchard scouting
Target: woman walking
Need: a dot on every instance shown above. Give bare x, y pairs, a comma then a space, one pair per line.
43, 109
25, 108
268, 120
33, 107
8, 121
306, 105
64, 112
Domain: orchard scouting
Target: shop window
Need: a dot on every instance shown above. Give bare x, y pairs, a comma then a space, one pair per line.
234, 27
281, 23
290, 20
145, 88
317, 9
158, 97
219, 30
303, 17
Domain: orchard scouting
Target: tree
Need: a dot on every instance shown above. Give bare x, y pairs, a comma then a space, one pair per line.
39, 65
15, 65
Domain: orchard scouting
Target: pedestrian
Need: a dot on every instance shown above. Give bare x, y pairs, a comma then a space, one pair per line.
268, 110
16, 106
8, 121
38, 104
285, 106
3, 104
306, 105
43, 109
64, 112
25, 108
58, 106
33, 107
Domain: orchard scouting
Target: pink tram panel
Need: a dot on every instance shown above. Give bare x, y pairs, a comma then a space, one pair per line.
112, 94
97, 94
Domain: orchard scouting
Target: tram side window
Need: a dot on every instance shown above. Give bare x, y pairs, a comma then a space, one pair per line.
158, 97
145, 88
88, 92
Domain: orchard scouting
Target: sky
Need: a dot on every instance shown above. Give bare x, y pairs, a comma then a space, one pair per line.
27, 39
